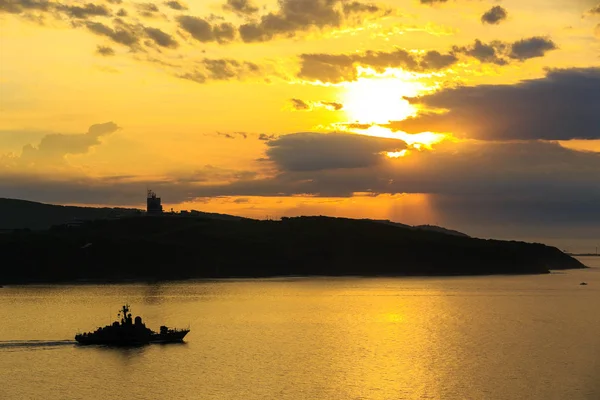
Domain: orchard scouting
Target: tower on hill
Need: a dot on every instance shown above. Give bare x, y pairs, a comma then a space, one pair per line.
153, 205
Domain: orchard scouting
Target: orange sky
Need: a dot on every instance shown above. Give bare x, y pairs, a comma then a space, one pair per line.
201, 97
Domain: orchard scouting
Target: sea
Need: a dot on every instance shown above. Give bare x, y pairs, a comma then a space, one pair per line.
467, 338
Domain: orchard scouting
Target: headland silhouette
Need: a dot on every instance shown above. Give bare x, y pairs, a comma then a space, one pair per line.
140, 247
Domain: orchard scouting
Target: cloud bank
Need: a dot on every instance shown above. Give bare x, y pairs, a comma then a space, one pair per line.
564, 105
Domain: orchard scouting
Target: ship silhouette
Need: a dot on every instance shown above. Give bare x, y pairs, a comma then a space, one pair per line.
130, 333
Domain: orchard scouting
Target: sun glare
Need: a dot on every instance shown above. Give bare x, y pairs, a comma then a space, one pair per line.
415, 140
396, 154
379, 100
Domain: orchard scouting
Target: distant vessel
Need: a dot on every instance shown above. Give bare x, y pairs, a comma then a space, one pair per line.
127, 333
583, 283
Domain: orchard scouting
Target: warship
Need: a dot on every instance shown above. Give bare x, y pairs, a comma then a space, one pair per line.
128, 332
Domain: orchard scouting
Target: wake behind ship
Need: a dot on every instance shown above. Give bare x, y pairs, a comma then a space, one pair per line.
129, 333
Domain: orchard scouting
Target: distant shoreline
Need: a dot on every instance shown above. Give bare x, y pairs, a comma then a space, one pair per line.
150, 281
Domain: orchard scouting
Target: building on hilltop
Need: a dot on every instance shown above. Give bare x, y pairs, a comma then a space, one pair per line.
153, 205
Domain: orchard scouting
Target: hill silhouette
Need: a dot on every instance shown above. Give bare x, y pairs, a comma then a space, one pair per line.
440, 230
146, 248
434, 228
24, 214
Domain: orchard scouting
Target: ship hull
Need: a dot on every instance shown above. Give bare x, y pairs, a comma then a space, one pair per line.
171, 337
112, 342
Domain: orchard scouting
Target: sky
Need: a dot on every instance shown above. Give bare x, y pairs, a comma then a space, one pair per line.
477, 115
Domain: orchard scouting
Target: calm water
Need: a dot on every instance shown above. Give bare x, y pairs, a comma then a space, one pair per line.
524, 337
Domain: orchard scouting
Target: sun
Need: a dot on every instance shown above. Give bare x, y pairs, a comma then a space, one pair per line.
375, 100
378, 100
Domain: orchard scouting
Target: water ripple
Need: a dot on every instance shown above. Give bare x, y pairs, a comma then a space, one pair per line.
33, 344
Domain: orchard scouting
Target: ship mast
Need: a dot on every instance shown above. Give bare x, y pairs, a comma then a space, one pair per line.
126, 316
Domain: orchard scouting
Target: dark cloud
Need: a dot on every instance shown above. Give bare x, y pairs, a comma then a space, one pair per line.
531, 48
434, 60
220, 69
561, 106
300, 105
514, 217
148, 10
241, 7
194, 76
84, 11
309, 151
327, 67
209, 173
342, 67
233, 135
486, 53
115, 1
226, 135
225, 69
501, 53
291, 17
200, 29
214, 17
265, 137
124, 34
105, 50
161, 38
224, 32
19, 6
595, 10
77, 11
295, 16
204, 31
357, 7
131, 34
53, 147
519, 183
176, 5
467, 168
337, 68
433, 1
494, 15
